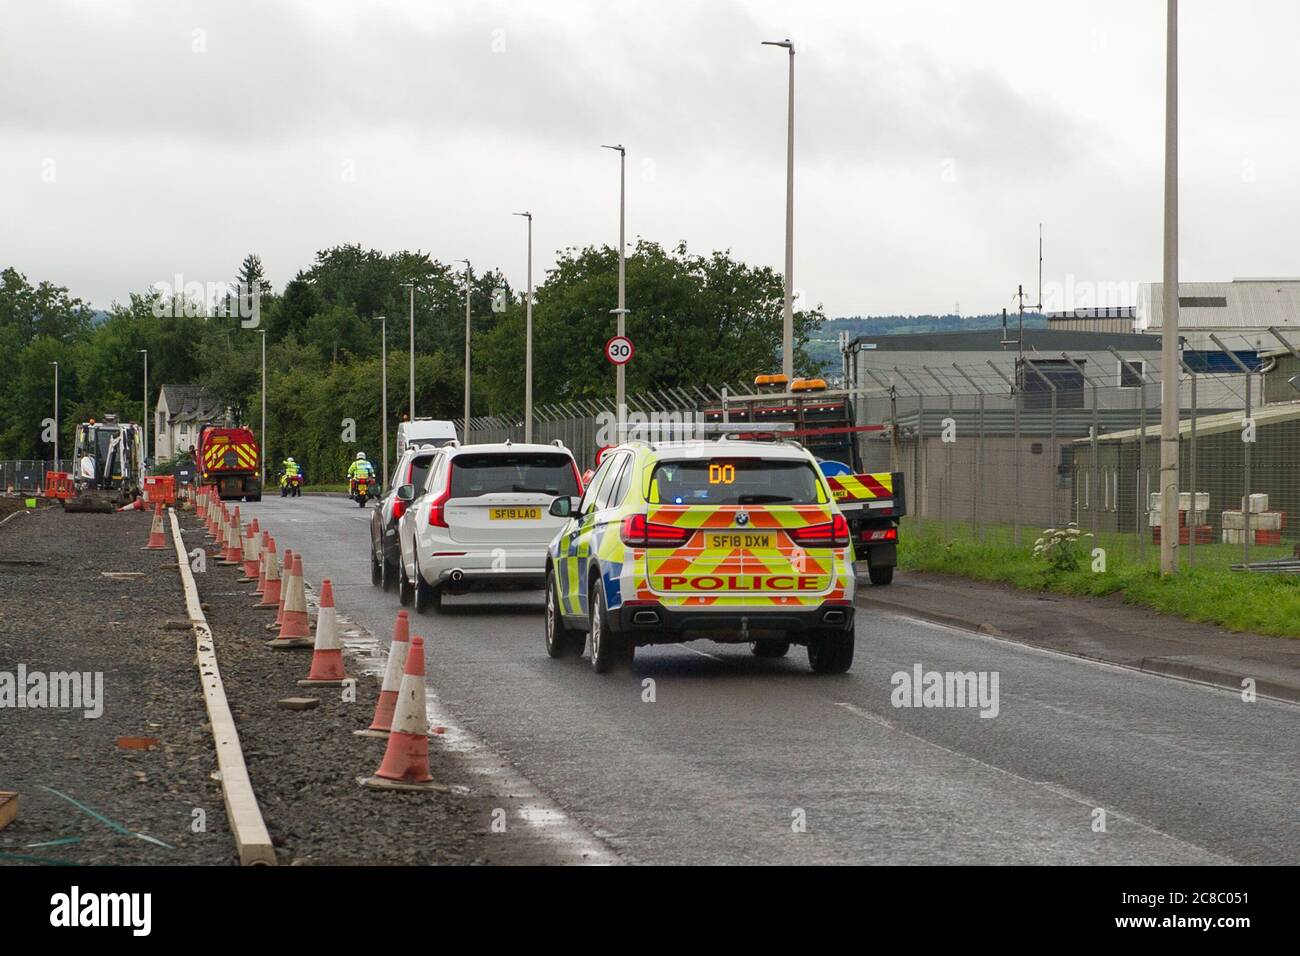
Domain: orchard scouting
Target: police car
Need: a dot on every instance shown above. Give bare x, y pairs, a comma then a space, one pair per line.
734, 541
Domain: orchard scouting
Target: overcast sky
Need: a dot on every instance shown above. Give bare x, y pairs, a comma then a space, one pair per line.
139, 140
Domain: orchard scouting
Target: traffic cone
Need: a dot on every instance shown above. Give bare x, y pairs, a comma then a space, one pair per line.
235, 543
388, 691
327, 658
271, 592
286, 569
251, 552
156, 540
295, 630
261, 565
406, 760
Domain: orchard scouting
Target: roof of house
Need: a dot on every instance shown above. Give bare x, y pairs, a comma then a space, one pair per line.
1239, 304
1051, 341
186, 403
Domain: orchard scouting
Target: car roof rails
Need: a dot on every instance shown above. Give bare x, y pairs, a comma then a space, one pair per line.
559, 443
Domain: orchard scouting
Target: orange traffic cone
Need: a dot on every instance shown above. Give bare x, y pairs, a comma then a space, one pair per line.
261, 565
271, 592
295, 630
235, 543
387, 702
251, 553
156, 540
327, 659
286, 570
406, 759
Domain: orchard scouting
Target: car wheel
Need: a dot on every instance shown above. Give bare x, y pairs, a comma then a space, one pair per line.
561, 640
880, 576
831, 652
376, 569
609, 650
405, 590
387, 575
769, 648
427, 597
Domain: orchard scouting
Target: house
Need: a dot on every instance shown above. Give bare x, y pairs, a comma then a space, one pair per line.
180, 412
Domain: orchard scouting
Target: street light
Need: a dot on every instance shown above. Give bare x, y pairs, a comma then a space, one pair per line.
528, 336
383, 386
1169, 367
56, 416
262, 442
410, 415
145, 353
787, 331
620, 380
468, 276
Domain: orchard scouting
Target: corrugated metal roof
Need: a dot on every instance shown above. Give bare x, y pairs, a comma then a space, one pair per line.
1213, 424
1051, 341
1248, 304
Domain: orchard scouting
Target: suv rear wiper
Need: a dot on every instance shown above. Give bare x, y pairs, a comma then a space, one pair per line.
758, 499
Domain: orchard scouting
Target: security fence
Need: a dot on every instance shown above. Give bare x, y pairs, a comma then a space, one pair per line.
28, 475
998, 449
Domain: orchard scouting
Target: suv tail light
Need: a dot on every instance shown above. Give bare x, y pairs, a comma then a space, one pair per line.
399, 508
437, 514
832, 534
639, 532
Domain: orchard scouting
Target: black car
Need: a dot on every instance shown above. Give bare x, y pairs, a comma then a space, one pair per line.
385, 550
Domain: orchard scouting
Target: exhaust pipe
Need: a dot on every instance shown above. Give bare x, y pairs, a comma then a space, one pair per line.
833, 617
456, 576
645, 617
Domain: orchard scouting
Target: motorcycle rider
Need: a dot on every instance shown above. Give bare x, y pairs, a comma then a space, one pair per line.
360, 468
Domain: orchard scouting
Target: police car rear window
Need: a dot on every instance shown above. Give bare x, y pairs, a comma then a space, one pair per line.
509, 472
735, 481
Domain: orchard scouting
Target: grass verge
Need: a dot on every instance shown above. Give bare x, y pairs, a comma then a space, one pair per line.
1209, 592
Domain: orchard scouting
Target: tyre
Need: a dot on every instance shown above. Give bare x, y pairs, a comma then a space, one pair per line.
609, 651
405, 590
427, 597
361, 501
284, 492
831, 652
769, 648
880, 576
387, 575
561, 640
376, 570
253, 498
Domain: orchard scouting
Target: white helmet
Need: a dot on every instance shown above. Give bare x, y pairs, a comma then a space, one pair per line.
290, 458
361, 456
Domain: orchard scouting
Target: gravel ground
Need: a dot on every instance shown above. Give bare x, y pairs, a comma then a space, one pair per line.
63, 614
60, 613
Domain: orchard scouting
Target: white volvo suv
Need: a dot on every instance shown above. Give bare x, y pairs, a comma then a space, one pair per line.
481, 520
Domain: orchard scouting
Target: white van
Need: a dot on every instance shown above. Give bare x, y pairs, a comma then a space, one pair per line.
424, 431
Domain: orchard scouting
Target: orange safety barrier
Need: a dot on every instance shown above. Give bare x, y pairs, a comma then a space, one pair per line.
58, 484
160, 489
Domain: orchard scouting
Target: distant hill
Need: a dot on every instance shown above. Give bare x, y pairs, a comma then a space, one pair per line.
824, 348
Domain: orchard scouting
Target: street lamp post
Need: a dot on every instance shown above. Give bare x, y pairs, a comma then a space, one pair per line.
620, 376
787, 330
383, 400
56, 416
145, 353
410, 415
528, 336
1169, 366
262, 442
468, 277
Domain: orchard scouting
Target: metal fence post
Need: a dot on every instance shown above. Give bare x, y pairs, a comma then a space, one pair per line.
1051, 484
977, 460
917, 451
1245, 453
1015, 399
1191, 532
1142, 487
945, 496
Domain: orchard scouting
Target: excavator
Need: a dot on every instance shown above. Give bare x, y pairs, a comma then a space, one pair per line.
108, 467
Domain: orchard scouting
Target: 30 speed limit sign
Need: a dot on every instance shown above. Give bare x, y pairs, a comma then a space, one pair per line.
619, 350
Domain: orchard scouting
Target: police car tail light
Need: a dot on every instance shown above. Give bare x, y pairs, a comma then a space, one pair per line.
832, 534
639, 532
437, 514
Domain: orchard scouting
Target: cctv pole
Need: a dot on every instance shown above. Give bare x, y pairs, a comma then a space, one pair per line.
410, 414
262, 443
1170, 368
787, 330
528, 336
145, 353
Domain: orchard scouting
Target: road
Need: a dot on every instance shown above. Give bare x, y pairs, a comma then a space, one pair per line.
734, 753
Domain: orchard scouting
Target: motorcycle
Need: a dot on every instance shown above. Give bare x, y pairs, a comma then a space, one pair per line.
362, 489
290, 485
